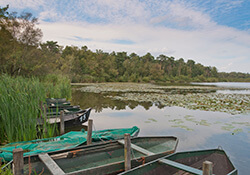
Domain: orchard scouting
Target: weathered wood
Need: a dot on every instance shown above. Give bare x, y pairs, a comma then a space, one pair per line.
181, 166
62, 126
51, 164
18, 161
207, 168
127, 152
137, 148
89, 134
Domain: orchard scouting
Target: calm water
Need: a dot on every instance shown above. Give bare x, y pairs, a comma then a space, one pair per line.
195, 129
244, 86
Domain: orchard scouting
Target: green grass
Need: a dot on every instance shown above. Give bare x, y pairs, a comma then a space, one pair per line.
20, 105
6, 171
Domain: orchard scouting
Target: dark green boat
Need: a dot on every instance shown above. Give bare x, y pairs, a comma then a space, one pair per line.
104, 158
187, 163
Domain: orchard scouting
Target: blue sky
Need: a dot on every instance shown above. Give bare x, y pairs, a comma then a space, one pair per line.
211, 32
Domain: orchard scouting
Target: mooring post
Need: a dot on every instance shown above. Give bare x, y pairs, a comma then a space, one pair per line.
18, 161
61, 122
127, 152
207, 168
44, 110
89, 136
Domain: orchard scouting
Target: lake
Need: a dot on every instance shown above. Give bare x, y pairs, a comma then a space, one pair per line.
196, 129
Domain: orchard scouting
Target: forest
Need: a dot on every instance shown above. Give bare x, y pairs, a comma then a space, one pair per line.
22, 53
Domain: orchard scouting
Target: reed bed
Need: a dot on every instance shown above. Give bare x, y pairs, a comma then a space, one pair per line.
20, 105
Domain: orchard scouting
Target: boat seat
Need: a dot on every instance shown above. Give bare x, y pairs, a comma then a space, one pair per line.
66, 111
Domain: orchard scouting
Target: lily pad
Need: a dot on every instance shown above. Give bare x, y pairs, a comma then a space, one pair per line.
153, 120
183, 127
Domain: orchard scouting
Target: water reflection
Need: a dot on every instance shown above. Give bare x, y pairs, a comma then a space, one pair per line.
98, 102
200, 137
195, 129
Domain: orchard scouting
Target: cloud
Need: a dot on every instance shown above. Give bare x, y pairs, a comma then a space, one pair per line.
209, 47
176, 28
21, 4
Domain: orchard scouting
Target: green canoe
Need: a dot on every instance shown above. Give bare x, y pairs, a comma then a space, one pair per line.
187, 163
69, 140
102, 158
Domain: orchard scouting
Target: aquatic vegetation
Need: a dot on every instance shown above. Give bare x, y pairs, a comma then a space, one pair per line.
176, 121
242, 123
228, 127
153, 120
237, 131
183, 127
195, 97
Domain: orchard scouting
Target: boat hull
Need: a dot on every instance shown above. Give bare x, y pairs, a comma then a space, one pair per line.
107, 158
193, 159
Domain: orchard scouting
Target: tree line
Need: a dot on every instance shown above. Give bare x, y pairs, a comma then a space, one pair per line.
23, 53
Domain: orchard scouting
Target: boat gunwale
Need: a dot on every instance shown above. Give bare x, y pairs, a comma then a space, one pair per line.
133, 160
34, 158
216, 150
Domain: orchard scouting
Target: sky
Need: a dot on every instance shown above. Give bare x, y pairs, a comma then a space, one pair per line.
210, 32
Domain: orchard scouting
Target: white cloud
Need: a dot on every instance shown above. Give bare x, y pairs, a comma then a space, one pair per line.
210, 47
20, 4
176, 28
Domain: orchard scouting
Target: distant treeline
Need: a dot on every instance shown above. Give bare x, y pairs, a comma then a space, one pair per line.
22, 53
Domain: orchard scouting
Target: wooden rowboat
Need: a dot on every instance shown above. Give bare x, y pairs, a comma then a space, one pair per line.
104, 158
185, 163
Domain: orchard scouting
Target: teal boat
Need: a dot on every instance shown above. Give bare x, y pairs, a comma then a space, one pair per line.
69, 140
187, 163
102, 158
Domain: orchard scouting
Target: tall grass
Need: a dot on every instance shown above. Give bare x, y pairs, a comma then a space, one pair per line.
57, 86
20, 105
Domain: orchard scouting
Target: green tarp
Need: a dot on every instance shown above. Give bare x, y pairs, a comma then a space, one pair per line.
69, 140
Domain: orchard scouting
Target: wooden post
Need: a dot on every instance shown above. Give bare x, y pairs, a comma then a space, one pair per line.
127, 152
61, 122
45, 110
18, 161
207, 168
89, 136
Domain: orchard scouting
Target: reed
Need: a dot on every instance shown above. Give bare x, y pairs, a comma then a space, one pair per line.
20, 105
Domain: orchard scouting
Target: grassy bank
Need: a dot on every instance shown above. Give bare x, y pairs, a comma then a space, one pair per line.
20, 105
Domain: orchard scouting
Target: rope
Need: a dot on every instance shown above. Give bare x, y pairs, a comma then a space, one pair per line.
142, 159
96, 134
